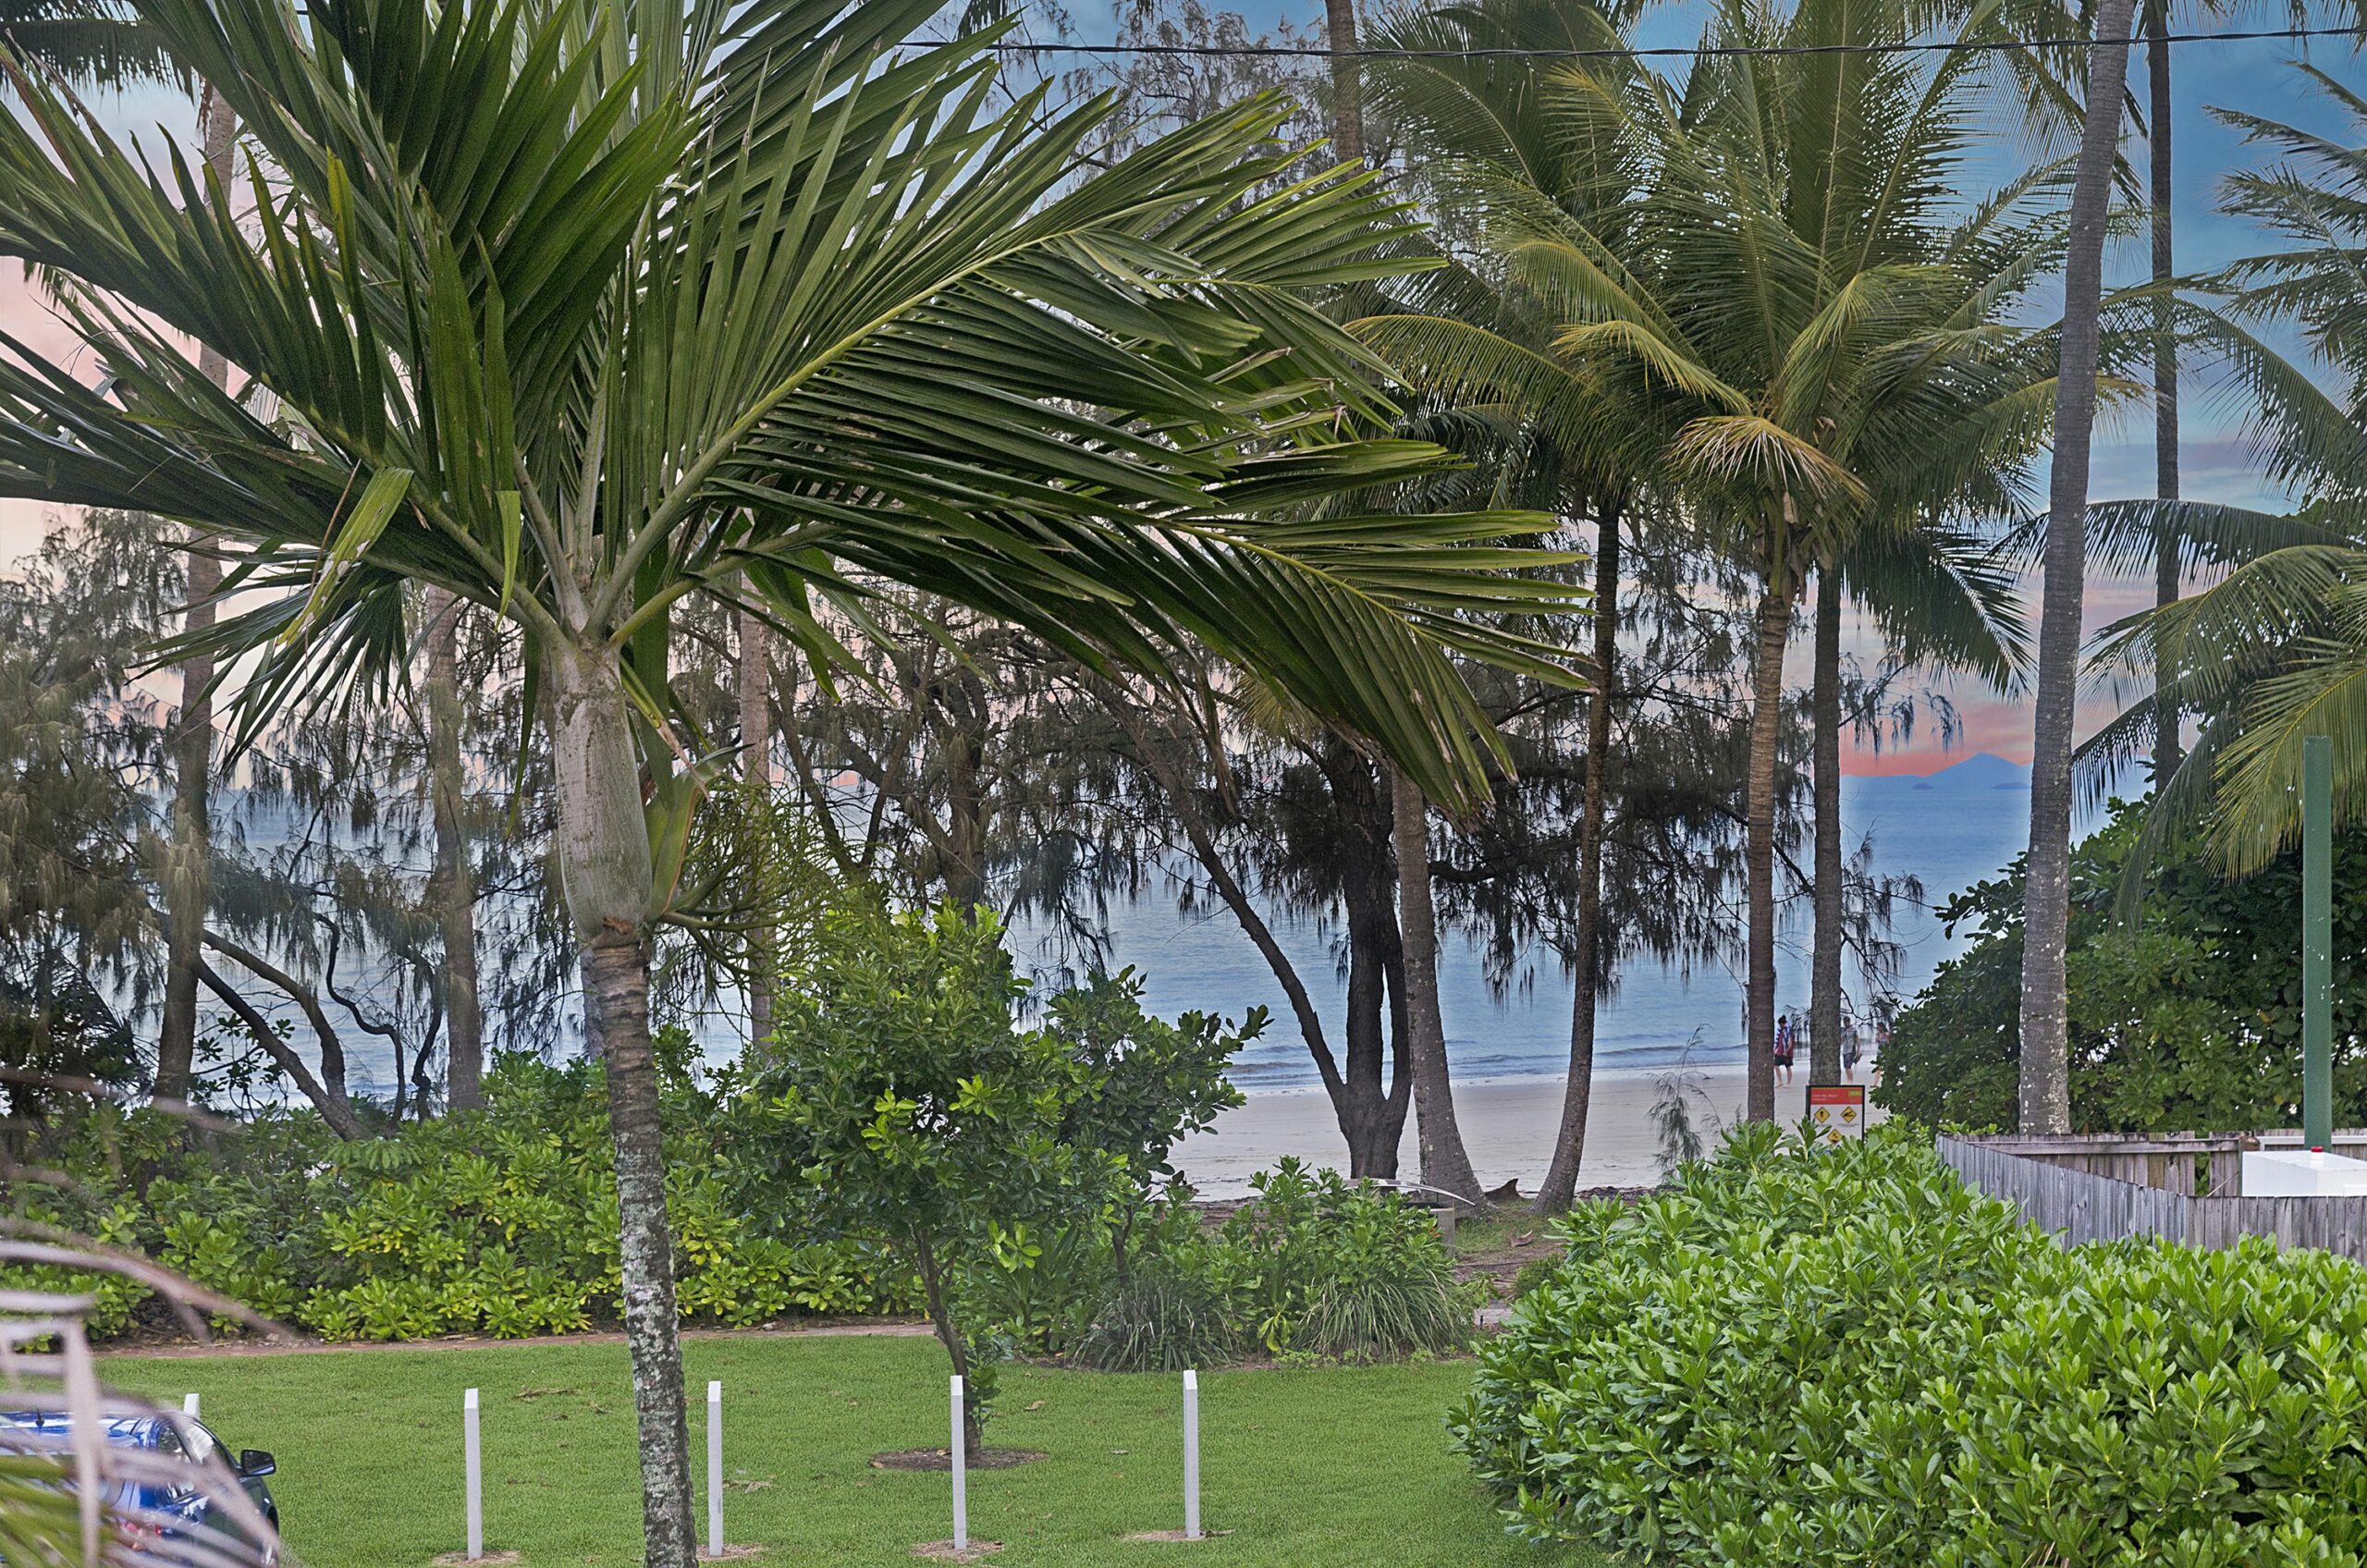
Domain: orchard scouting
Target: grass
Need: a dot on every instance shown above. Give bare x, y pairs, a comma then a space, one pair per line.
1303, 1469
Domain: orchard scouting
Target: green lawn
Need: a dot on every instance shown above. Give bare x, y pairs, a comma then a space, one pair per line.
1303, 1469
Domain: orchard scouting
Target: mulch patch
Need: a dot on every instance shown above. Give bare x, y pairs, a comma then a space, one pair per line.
945, 1550
943, 1458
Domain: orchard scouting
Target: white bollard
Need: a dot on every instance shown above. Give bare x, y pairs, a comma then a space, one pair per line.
1191, 1455
715, 1469
189, 1406
960, 1476
474, 1461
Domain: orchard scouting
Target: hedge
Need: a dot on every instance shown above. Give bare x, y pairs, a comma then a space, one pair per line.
1844, 1357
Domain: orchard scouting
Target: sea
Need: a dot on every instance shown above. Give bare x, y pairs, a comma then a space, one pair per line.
1949, 829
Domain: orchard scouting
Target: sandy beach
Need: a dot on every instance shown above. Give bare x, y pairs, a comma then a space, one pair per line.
1508, 1125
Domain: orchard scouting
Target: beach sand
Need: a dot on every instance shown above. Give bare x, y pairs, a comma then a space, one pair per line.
1508, 1125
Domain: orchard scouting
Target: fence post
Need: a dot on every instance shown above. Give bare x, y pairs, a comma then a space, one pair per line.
474, 1459
960, 1452
2317, 942
189, 1406
715, 1469
1191, 1454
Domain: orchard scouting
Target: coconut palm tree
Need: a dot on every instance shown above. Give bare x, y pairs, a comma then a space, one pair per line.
2273, 650
577, 311
2045, 1097
1786, 274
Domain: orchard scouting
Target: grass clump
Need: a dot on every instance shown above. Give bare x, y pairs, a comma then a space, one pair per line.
1844, 1357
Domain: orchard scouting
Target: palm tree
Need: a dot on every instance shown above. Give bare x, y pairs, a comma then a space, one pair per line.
2045, 1074
1940, 594
2274, 650
1495, 130
86, 43
581, 309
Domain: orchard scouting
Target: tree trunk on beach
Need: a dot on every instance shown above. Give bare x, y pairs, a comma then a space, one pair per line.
455, 894
1824, 961
189, 865
2167, 578
2045, 1102
1585, 941
1774, 627
756, 775
1446, 1165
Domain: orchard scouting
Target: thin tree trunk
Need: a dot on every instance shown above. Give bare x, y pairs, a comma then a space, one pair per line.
189, 870
757, 773
2167, 576
1774, 626
336, 1102
1373, 1115
1585, 945
940, 1318
1347, 81
2045, 1070
603, 854
1824, 960
455, 892
1446, 1164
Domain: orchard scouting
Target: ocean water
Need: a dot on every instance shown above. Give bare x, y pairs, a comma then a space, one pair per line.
1950, 829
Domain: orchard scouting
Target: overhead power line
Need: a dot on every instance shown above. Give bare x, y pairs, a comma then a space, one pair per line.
1687, 52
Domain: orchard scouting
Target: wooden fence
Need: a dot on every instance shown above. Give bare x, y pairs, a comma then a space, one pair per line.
2182, 1189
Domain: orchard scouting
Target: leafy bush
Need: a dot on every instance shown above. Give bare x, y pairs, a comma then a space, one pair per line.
1337, 1267
501, 1221
901, 1102
1844, 1357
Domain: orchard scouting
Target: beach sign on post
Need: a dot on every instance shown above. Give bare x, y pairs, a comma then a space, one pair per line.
1836, 1112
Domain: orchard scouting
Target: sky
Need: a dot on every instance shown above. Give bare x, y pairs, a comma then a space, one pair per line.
2255, 77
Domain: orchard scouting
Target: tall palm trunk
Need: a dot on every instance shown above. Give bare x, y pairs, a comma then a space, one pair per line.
605, 873
1824, 962
189, 868
2167, 576
1347, 81
1774, 628
2045, 1072
756, 774
1577, 1095
1446, 1165
455, 893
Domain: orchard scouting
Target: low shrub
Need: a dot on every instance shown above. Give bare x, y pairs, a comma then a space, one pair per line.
501, 1221
1163, 1321
1844, 1357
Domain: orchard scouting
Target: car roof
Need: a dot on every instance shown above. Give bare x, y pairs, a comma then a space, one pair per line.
128, 1430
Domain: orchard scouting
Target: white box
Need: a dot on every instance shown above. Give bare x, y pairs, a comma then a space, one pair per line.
2302, 1173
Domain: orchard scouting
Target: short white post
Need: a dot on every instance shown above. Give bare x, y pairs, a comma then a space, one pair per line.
1191, 1455
189, 1406
960, 1474
476, 1475
715, 1469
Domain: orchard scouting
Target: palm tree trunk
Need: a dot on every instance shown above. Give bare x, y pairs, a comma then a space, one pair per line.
1585, 943
757, 773
2045, 1071
603, 853
1347, 81
189, 870
455, 893
2167, 576
1775, 628
1824, 962
1446, 1165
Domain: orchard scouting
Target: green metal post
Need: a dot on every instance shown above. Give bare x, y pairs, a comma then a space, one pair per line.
2317, 942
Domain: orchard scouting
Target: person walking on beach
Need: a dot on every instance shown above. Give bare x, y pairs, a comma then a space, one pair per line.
1849, 1053
1783, 1052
